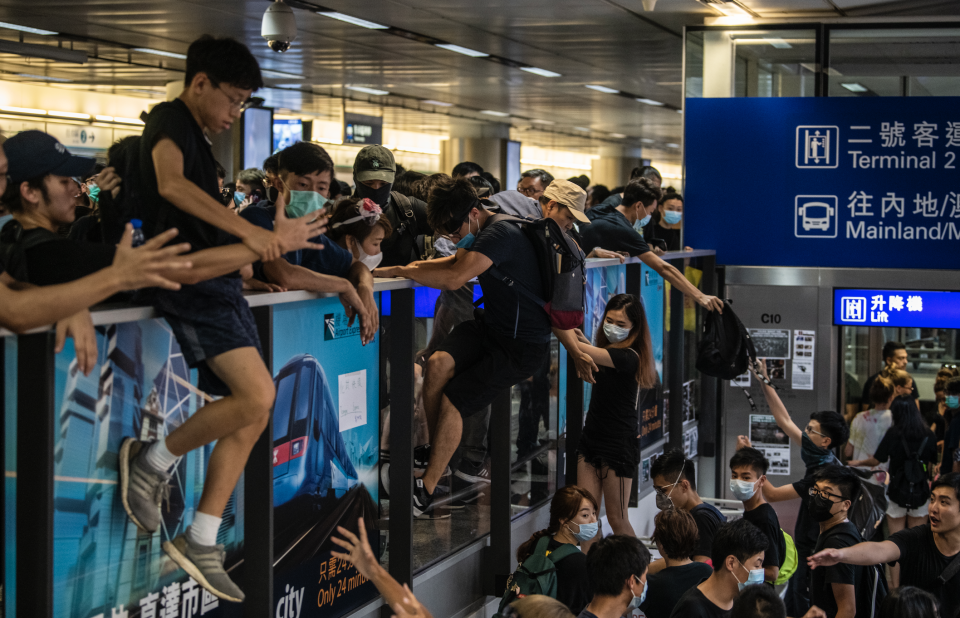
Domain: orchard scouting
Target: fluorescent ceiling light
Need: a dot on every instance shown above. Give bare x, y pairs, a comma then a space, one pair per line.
778, 43
731, 9
27, 29
855, 87
437, 103
543, 72
356, 21
127, 120
280, 74
650, 102
44, 77
603, 89
103, 118
372, 91
646, 140
617, 135
24, 110
160, 52
539, 121
462, 50
69, 115
491, 112
673, 145
585, 129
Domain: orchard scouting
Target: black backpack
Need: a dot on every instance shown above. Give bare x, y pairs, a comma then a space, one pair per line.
406, 244
14, 243
909, 486
726, 350
870, 507
562, 267
872, 591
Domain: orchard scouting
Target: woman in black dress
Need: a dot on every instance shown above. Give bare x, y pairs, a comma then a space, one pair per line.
608, 449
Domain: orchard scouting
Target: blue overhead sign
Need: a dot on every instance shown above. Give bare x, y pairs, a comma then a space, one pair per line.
846, 182
904, 308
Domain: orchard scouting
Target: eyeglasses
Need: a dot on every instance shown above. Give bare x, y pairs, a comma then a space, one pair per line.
810, 429
663, 490
453, 226
826, 495
529, 191
235, 105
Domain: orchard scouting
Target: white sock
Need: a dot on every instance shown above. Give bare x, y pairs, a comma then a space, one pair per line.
203, 530
158, 457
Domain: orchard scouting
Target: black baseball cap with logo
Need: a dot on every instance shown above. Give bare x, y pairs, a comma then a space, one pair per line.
374, 163
33, 154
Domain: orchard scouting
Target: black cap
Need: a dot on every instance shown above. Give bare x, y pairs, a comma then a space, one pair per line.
31, 154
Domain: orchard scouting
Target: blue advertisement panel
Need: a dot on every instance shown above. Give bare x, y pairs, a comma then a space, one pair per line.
103, 565
326, 435
898, 308
651, 293
602, 284
843, 182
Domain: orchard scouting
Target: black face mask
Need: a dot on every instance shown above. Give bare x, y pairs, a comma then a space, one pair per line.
819, 509
379, 196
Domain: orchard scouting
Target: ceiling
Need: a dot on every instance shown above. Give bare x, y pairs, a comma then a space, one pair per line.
610, 43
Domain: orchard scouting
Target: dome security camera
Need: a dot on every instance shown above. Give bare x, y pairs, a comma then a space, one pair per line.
279, 26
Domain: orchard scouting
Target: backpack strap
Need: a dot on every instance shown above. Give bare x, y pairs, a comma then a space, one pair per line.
562, 552
542, 544
950, 572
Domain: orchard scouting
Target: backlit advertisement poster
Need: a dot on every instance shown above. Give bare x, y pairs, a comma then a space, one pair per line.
651, 293
602, 284
104, 565
326, 434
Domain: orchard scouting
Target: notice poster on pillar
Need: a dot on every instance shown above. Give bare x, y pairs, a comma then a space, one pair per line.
769, 439
103, 565
326, 442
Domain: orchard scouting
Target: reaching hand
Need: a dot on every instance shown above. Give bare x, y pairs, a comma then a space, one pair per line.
711, 303
109, 180
359, 552
355, 308
585, 367
261, 286
141, 267
826, 558
743, 442
294, 234
604, 253
387, 272
580, 336
408, 606
80, 327
760, 369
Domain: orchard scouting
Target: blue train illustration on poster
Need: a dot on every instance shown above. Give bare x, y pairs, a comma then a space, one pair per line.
103, 565
325, 456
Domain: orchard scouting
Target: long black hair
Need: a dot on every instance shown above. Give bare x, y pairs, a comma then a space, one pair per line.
910, 602
631, 305
907, 419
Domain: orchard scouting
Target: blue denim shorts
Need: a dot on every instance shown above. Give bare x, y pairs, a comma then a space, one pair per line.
209, 319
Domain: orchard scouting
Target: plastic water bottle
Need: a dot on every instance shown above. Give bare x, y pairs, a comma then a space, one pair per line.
138, 238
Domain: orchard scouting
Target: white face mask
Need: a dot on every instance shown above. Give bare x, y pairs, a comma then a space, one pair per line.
742, 490
614, 333
370, 261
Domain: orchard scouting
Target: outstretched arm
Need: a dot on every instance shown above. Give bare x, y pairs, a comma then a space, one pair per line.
674, 276
450, 274
780, 413
862, 553
584, 362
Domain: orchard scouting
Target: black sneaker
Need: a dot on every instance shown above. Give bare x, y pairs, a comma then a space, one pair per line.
421, 457
473, 473
423, 503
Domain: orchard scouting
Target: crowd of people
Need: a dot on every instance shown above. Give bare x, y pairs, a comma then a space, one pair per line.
159, 220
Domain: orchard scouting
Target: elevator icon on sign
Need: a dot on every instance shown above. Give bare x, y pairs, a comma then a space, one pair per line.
818, 147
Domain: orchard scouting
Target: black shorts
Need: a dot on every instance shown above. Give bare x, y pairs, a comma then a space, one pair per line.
486, 364
209, 319
616, 452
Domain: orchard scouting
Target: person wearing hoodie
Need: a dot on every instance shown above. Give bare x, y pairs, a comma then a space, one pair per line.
613, 226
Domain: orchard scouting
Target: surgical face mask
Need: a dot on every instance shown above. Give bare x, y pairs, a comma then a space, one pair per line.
641, 222
238, 197
637, 601
952, 401
587, 531
754, 577
742, 490
380, 196
467, 241
819, 509
94, 192
615, 333
813, 455
304, 202
672, 217
370, 261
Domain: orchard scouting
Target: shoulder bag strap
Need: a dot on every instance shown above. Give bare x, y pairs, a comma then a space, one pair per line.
952, 569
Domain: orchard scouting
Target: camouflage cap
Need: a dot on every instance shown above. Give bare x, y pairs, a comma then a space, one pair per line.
374, 163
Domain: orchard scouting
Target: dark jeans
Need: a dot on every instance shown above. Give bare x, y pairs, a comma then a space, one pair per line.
798, 590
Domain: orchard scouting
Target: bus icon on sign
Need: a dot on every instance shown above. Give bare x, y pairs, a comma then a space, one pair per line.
818, 147
853, 308
816, 216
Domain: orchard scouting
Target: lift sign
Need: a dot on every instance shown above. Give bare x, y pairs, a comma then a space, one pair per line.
904, 308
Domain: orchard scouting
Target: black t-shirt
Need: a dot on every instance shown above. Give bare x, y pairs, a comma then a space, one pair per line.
654, 230
571, 579
401, 247
609, 229
922, 563
173, 120
821, 590
709, 519
63, 260
891, 448
669, 585
695, 605
765, 518
807, 531
506, 311
865, 396
613, 404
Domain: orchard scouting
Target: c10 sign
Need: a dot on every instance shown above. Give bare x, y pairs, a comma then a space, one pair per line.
904, 308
